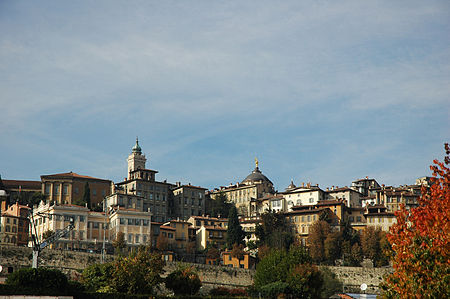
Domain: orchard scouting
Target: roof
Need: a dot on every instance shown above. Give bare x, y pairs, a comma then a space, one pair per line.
210, 227
329, 202
313, 211
256, 176
70, 175
9, 184
190, 186
167, 227
210, 218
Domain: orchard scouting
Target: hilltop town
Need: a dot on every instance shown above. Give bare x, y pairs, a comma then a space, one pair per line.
183, 219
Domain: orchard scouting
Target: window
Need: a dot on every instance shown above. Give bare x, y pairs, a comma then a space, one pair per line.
76, 190
130, 238
309, 218
67, 218
65, 189
122, 220
130, 221
170, 235
137, 238
57, 189
96, 224
138, 222
311, 200
145, 222
151, 195
81, 218
358, 218
103, 192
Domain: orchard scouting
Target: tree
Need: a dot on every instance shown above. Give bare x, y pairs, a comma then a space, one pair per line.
288, 272
47, 234
371, 240
331, 247
274, 231
119, 243
96, 277
420, 241
39, 281
213, 253
161, 243
87, 195
220, 205
184, 281
36, 198
317, 234
235, 234
237, 251
138, 273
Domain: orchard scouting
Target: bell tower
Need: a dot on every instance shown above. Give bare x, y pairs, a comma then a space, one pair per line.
136, 160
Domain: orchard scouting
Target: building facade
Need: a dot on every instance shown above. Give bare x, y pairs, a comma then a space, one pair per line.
68, 188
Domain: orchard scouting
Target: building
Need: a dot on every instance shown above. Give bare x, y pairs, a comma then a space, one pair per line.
179, 235
351, 197
187, 201
209, 230
255, 185
142, 183
378, 217
246, 262
393, 197
135, 225
365, 186
16, 218
302, 218
306, 195
21, 190
248, 225
68, 188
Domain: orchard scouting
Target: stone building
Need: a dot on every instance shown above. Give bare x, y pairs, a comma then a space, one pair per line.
68, 188
142, 183
255, 185
187, 201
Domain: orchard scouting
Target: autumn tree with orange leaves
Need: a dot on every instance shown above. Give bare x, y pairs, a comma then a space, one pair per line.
421, 242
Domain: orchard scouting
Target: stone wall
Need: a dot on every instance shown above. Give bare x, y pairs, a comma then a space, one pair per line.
72, 262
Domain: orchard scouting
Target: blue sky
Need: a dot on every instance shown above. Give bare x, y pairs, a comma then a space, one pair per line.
320, 91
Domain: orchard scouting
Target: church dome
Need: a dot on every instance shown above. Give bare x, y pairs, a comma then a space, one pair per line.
136, 148
256, 176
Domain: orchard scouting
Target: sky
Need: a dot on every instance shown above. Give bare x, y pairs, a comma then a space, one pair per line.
325, 92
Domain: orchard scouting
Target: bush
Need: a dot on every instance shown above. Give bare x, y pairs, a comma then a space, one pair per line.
225, 292
183, 282
272, 290
331, 285
40, 281
96, 277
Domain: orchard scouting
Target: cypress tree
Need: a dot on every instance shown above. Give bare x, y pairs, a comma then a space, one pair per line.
235, 234
87, 195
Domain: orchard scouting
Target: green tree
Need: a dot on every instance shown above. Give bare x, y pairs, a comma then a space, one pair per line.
331, 285
317, 234
87, 195
288, 272
220, 205
274, 231
96, 278
371, 240
184, 281
138, 273
36, 198
235, 234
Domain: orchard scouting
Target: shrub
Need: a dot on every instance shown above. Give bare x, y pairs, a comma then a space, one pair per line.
183, 282
40, 281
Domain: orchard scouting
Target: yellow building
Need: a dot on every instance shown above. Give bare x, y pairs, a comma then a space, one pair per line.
179, 235
302, 218
255, 185
378, 217
209, 230
246, 262
135, 225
